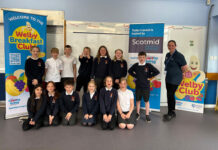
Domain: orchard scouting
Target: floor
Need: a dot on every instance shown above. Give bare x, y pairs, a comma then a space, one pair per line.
189, 131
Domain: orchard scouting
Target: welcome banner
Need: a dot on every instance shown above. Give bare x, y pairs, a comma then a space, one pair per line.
147, 38
21, 32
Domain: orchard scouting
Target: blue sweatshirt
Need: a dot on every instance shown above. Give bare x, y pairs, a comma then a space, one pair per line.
69, 103
52, 106
36, 114
142, 74
85, 68
101, 69
90, 105
34, 69
108, 101
118, 69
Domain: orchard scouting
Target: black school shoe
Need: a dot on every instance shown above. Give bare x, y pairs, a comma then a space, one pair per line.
148, 119
168, 117
137, 116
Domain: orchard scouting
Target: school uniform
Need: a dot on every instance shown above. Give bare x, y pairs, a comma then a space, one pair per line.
142, 73
91, 107
54, 66
85, 70
118, 70
69, 103
100, 70
52, 109
124, 101
173, 64
34, 69
36, 114
67, 72
108, 101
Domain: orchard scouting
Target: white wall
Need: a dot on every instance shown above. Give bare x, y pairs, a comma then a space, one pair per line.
81, 34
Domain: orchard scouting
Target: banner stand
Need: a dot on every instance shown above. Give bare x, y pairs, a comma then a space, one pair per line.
147, 38
21, 32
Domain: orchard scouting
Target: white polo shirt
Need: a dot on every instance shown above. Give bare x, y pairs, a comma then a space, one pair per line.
53, 67
68, 63
124, 99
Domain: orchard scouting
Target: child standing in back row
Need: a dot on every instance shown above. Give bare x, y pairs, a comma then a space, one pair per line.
118, 67
84, 70
69, 66
34, 69
101, 67
142, 71
53, 68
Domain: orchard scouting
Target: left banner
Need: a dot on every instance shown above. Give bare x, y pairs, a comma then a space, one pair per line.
21, 32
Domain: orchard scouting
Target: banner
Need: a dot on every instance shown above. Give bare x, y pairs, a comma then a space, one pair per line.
21, 32
147, 38
191, 91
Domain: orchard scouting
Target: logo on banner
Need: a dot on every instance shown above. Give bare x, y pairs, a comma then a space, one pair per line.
25, 37
13, 101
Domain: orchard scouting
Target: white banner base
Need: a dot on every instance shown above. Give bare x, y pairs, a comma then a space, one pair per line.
15, 115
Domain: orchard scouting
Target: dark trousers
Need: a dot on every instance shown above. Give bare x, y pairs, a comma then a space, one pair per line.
82, 82
99, 83
110, 125
31, 86
116, 86
62, 82
26, 126
171, 89
55, 121
71, 121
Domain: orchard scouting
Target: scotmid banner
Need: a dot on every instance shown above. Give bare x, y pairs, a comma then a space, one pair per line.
21, 32
147, 38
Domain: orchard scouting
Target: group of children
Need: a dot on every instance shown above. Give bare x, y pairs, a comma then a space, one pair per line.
104, 84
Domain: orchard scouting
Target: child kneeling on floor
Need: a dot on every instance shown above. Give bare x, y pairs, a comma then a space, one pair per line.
108, 101
52, 116
90, 105
36, 106
69, 102
125, 106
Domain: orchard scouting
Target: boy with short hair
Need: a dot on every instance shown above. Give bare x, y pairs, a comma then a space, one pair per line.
142, 71
53, 68
69, 66
69, 102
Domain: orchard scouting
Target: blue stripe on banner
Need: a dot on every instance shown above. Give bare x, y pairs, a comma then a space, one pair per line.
146, 30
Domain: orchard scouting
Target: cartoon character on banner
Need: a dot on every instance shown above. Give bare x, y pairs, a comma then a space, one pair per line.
194, 65
192, 74
28, 28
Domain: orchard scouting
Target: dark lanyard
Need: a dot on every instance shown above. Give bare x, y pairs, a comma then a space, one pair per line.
168, 60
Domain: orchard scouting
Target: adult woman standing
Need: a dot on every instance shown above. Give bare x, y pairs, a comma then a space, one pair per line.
175, 66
